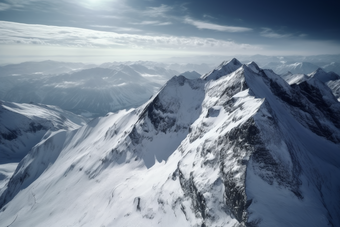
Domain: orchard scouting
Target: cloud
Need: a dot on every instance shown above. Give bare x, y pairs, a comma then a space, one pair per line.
116, 28
164, 23
303, 35
156, 23
18, 33
160, 11
216, 27
146, 23
101, 5
4, 6
110, 16
269, 33
50, 5
20, 4
208, 16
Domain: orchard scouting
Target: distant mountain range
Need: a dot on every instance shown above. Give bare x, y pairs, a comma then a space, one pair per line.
85, 89
43, 67
301, 67
331, 79
319, 60
54, 67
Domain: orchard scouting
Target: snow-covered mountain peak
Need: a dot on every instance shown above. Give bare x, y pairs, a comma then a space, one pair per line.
233, 61
317, 71
243, 76
253, 66
323, 76
191, 74
223, 69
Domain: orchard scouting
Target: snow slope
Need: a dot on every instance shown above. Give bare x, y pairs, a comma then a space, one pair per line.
291, 78
334, 85
239, 147
22, 126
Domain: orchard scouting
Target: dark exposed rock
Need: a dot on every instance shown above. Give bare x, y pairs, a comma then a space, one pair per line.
137, 202
197, 199
242, 138
235, 197
34, 127
11, 135
160, 123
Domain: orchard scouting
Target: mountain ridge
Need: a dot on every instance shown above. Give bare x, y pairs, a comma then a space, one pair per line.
223, 150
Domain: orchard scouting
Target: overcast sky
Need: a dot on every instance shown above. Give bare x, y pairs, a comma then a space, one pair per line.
119, 30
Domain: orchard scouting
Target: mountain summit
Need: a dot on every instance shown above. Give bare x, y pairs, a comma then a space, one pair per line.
224, 68
237, 147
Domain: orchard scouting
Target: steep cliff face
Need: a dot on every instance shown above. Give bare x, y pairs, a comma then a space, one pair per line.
239, 147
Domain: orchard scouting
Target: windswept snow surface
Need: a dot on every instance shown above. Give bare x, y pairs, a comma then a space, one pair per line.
239, 147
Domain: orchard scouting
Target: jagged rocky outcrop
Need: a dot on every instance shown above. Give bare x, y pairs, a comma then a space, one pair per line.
238, 147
